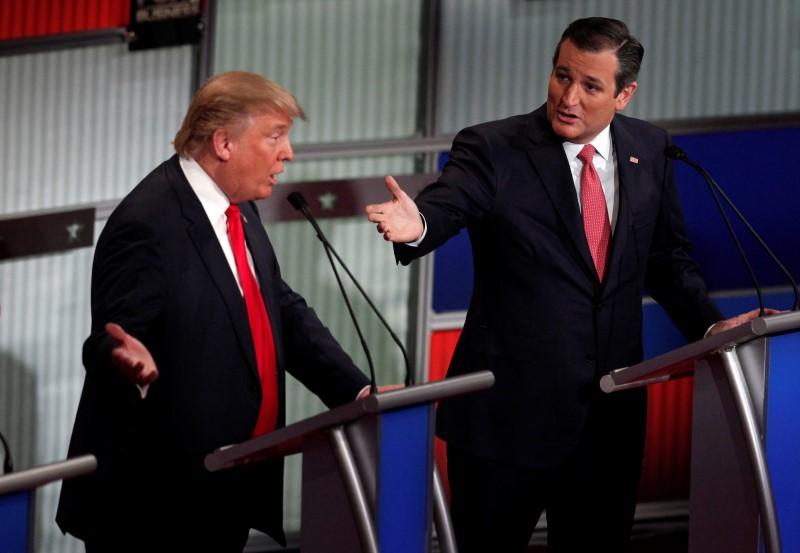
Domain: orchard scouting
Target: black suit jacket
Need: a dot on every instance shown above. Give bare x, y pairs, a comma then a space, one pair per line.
160, 272
539, 318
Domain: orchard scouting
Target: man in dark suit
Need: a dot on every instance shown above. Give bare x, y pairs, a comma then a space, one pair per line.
565, 239
179, 362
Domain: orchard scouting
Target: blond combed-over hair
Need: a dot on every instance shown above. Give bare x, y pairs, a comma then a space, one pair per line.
226, 99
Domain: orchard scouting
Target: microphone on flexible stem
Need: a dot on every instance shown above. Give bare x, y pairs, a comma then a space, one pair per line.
8, 464
298, 201
674, 152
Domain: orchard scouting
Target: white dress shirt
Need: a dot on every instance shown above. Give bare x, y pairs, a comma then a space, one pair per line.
214, 202
605, 163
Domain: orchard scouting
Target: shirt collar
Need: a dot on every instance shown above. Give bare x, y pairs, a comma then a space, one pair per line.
601, 143
211, 196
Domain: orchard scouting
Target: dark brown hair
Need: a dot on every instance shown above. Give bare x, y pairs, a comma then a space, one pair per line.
599, 34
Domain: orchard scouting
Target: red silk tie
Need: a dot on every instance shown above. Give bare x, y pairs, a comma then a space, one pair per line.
260, 328
595, 213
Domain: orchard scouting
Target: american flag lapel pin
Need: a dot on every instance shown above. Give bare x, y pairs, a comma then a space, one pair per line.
634, 159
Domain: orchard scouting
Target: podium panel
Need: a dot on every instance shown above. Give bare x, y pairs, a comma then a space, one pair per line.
369, 483
745, 488
783, 434
16, 522
17, 494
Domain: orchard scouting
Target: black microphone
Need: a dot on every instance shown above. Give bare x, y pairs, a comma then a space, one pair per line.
674, 152
8, 464
298, 201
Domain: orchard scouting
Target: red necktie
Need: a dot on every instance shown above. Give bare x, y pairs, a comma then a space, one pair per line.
595, 212
260, 328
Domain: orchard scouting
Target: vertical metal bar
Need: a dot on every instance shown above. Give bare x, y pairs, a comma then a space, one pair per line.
204, 52
441, 517
422, 271
354, 489
755, 449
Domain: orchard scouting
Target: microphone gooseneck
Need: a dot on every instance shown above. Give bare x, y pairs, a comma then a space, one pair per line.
8, 464
676, 153
298, 201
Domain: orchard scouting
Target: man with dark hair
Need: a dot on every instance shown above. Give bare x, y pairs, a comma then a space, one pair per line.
572, 213
193, 331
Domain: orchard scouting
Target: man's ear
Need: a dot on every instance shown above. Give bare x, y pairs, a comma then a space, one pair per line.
625, 96
220, 142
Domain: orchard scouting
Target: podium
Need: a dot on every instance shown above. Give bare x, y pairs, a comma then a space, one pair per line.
369, 483
744, 486
17, 499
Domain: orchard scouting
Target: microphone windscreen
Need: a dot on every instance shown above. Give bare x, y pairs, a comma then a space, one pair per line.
297, 200
674, 152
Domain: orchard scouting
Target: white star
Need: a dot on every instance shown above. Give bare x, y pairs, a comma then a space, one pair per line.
327, 200
73, 230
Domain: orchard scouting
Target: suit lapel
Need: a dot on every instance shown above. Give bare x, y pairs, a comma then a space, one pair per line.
205, 241
628, 177
549, 161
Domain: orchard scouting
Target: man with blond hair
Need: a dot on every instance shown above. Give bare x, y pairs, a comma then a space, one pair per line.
193, 330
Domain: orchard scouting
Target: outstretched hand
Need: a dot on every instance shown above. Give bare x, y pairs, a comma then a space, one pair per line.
132, 357
728, 324
398, 219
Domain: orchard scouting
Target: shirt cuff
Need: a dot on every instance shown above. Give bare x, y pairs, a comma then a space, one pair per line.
419, 240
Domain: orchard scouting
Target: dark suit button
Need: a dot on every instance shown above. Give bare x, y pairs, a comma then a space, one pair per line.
590, 357
600, 307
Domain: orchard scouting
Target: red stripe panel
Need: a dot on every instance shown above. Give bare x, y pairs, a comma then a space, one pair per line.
35, 18
443, 343
667, 451
665, 472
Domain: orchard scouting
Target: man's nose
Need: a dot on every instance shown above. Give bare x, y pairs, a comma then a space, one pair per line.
288, 152
571, 95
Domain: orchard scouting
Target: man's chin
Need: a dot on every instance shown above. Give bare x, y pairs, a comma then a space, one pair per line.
565, 130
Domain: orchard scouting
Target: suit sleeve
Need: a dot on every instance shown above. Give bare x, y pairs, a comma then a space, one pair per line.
313, 355
672, 277
128, 288
464, 192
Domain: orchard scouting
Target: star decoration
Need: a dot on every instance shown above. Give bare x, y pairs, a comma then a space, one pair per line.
73, 230
327, 200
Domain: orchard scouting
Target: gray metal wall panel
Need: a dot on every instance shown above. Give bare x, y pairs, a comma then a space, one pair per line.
81, 125
702, 58
85, 124
305, 267
45, 318
352, 64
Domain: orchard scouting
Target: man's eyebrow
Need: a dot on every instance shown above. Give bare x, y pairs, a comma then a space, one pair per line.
594, 80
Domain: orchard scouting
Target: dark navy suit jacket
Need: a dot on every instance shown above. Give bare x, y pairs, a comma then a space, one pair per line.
160, 272
539, 318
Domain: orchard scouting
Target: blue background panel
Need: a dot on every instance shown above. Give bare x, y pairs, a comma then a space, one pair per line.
755, 168
15, 522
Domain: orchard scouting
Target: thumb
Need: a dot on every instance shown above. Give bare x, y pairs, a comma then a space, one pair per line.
116, 332
393, 187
